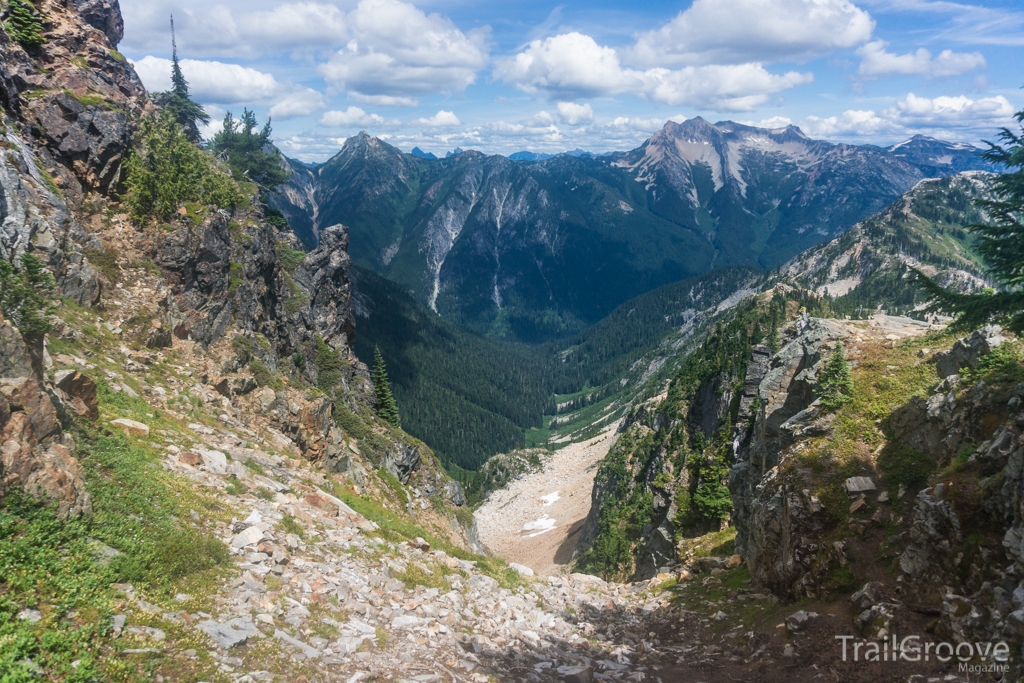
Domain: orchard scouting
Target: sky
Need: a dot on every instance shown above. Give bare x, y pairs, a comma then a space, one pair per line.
602, 75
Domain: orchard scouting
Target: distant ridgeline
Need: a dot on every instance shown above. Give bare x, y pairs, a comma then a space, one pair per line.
539, 249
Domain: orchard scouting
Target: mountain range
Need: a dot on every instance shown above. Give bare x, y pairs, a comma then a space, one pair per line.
534, 251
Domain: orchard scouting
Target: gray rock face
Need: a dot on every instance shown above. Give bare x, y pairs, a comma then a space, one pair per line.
402, 460
92, 140
968, 351
324, 275
936, 528
770, 520
104, 15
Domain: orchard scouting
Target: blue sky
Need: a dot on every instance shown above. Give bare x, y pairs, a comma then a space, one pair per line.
507, 76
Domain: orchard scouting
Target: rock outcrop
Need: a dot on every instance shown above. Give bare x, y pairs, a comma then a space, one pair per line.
780, 521
77, 95
35, 452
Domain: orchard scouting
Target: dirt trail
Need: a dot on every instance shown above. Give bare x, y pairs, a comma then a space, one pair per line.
536, 520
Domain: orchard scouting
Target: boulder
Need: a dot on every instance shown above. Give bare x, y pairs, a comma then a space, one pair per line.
966, 352
229, 634
81, 391
132, 427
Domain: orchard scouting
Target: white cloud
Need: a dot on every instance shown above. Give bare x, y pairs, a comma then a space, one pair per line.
771, 122
396, 50
354, 117
574, 114
954, 112
946, 117
633, 123
739, 31
875, 61
219, 83
384, 100
569, 64
851, 122
573, 65
739, 87
219, 29
541, 118
441, 119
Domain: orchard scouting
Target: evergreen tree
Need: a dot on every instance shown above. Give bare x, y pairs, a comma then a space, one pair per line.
165, 170
187, 112
1000, 244
24, 24
386, 406
26, 295
835, 386
247, 152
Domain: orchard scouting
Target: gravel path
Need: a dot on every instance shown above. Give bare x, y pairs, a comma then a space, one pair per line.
535, 521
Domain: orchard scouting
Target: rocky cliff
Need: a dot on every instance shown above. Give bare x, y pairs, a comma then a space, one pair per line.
259, 312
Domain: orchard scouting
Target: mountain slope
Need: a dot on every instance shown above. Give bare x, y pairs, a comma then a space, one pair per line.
536, 250
684, 427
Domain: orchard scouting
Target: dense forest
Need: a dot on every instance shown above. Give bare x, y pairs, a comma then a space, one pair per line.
470, 397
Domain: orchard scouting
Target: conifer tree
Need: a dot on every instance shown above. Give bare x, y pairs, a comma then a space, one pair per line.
386, 406
835, 386
187, 112
245, 150
24, 24
26, 295
1000, 244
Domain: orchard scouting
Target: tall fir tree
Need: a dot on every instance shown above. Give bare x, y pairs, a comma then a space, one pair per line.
187, 112
387, 408
1000, 244
835, 386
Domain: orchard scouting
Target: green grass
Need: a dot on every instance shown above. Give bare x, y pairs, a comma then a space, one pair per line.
394, 485
289, 524
52, 566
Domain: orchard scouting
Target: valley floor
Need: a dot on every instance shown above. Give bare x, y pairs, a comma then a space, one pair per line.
535, 520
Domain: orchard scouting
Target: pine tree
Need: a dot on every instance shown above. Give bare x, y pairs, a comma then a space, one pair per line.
187, 112
386, 406
1000, 244
835, 386
24, 24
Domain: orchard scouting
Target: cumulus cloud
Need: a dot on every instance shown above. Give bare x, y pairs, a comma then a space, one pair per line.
441, 119
948, 117
222, 29
637, 124
875, 62
961, 111
396, 50
574, 114
573, 65
739, 31
219, 83
354, 117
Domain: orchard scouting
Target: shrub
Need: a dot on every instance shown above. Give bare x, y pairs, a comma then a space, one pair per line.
26, 295
24, 24
328, 366
166, 170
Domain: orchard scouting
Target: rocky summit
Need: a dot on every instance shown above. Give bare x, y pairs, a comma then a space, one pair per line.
250, 431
